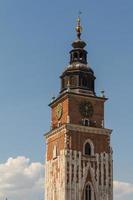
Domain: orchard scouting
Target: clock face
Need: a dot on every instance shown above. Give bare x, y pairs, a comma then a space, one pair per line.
86, 109
59, 111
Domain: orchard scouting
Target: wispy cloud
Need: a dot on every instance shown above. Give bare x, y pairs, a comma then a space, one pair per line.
21, 179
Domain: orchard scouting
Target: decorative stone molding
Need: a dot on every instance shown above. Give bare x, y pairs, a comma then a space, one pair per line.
75, 127
86, 129
66, 176
55, 131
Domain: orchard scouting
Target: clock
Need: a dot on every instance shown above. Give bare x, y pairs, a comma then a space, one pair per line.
59, 111
86, 109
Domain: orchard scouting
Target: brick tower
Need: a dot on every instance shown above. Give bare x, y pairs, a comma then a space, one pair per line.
78, 162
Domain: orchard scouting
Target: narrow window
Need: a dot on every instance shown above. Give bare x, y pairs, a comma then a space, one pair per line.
88, 192
72, 81
85, 82
86, 122
87, 149
75, 56
81, 56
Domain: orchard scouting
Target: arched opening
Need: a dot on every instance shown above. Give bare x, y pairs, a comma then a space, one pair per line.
87, 149
85, 82
72, 81
88, 192
81, 56
86, 122
75, 56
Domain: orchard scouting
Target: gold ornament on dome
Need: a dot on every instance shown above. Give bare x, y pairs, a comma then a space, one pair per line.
78, 27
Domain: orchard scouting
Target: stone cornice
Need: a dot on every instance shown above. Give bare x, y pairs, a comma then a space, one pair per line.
79, 128
67, 93
87, 129
56, 130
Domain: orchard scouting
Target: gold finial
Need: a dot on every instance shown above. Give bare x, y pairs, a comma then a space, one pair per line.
79, 27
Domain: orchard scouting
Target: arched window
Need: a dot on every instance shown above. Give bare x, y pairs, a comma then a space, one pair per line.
85, 82
88, 192
87, 149
86, 122
81, 56
75, 56
72, 81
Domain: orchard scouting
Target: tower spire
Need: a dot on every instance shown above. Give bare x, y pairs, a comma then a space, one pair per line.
78, 43
78, 74
79, 27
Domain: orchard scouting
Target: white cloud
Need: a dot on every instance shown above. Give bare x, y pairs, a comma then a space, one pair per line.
123, 190
20, 179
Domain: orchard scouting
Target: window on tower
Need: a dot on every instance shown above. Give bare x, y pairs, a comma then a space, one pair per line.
72, 81
81, 56
88, 192
75, 56
86, 122
85, 81
87, 149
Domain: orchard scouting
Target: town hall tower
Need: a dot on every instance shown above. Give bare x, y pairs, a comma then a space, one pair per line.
78, 162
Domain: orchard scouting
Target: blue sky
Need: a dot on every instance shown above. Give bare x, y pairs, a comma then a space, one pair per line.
35, 40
